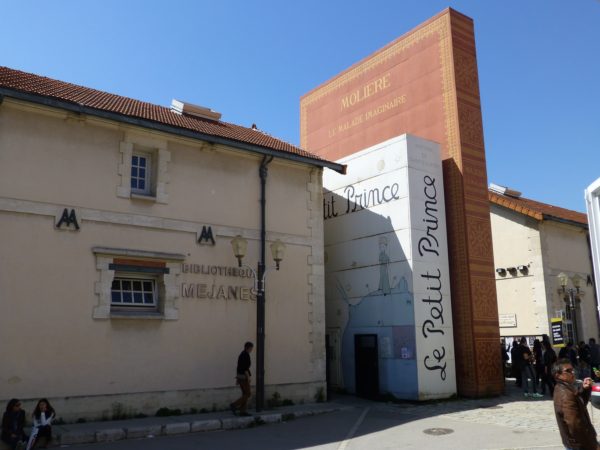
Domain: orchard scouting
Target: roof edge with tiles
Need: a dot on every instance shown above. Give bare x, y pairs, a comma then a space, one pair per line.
74, 98
537, 210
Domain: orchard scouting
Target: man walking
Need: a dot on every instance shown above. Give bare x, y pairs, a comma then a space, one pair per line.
574, 424
243, 380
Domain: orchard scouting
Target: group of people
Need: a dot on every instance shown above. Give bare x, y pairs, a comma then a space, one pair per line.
532, 367
13, 425
542, 369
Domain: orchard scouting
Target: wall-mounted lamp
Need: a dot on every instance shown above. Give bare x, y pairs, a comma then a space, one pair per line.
512, 270
523, 269
500, 271
239, 245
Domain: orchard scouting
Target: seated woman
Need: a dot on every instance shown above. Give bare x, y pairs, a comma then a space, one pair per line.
43, 414
13, 421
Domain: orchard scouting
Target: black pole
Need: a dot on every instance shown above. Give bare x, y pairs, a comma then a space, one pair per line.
574, 316
260, 295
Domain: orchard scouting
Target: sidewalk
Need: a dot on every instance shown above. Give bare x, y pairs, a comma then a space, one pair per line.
92, 432
512, 411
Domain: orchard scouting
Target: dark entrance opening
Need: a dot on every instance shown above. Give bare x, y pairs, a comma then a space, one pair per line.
328, 361
366, 361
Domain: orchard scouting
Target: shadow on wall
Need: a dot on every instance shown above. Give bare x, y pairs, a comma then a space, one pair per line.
370, 313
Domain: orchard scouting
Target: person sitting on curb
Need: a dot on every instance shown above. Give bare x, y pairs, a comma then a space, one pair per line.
43, 414
13, 422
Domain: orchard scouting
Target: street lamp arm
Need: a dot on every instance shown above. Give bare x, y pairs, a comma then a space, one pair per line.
255, 275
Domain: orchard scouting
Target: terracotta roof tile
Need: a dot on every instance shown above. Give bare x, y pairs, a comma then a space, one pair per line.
92, 98
537, 210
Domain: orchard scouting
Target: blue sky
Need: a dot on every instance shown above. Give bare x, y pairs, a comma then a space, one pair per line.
539, 66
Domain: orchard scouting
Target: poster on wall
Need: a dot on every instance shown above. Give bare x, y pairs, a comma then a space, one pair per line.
557, 332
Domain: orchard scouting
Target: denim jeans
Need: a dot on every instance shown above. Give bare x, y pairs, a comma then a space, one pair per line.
527, 372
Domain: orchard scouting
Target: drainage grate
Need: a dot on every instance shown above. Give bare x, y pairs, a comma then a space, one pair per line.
438, 431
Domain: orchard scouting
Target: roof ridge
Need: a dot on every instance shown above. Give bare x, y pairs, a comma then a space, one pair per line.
42, 86
536, 209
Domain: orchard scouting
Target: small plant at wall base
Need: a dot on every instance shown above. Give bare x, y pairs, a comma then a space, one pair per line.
118, 411
320, 395
257, 422
165, 412
275, 400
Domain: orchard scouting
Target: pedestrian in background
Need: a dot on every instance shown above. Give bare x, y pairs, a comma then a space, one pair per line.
538, 357
515, 358
242, 378
569, 352
585, 360
549, 360
527, 370
504, 356
594, 356
574, 424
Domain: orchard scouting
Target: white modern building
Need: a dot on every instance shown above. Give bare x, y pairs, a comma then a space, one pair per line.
389, 317
592, 201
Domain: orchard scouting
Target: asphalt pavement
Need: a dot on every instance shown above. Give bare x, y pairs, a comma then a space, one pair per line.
510, 421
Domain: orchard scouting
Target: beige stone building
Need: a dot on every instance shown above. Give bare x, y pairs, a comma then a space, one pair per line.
119, 290
533, 244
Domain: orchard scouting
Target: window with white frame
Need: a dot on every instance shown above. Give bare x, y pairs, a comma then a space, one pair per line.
143, 168
134, 292
141, 173
136, 284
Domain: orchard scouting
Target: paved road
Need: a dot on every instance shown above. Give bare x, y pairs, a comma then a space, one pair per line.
508, 422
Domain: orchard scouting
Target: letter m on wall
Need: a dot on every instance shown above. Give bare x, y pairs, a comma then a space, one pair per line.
206, 236
67, 219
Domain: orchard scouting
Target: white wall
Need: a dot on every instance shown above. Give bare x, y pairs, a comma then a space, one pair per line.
387, 266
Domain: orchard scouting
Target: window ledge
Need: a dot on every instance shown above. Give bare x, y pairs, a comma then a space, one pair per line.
142, 315
148, 198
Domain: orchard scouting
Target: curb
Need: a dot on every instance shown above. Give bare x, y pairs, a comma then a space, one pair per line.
178, 428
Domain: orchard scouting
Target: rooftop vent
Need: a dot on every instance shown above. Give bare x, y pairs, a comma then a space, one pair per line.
504, 190
189, 109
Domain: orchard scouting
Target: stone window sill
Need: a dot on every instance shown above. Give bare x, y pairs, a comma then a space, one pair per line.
137, 315
147, 198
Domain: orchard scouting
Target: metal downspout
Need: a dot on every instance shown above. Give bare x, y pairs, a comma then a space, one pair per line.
260, 298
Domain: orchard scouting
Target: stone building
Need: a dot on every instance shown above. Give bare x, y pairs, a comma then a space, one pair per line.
119, 290
533, 244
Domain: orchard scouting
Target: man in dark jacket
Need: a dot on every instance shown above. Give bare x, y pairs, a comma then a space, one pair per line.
574, 424
516, 358
243, 380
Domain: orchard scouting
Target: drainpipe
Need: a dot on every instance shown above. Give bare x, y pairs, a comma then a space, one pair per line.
260, 296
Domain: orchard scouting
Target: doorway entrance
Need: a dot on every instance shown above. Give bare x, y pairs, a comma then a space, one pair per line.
366, 360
